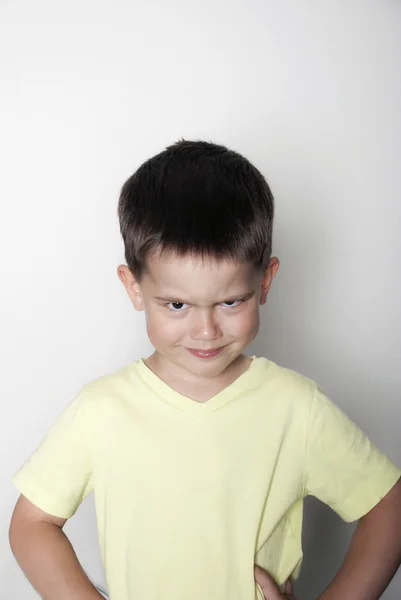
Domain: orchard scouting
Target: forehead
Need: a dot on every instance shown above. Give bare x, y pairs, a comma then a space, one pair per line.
198, 277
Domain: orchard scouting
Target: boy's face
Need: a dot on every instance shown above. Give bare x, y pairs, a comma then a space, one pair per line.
200, 313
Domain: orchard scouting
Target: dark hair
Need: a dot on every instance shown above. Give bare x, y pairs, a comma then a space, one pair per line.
196, 198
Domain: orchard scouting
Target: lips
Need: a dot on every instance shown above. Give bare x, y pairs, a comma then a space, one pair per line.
210, 353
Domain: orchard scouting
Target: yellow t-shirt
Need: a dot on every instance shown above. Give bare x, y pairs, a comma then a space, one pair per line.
188, 495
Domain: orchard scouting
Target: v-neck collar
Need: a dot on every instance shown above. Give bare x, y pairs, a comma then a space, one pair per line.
248, 378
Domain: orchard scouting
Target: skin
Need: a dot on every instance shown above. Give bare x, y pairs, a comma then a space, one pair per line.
46, 556
201, 304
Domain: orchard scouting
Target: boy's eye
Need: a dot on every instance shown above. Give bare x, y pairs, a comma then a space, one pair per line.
176, 306
232, 303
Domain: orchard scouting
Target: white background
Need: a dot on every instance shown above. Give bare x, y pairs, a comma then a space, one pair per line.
309, 90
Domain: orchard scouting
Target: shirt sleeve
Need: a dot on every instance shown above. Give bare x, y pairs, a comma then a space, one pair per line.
58, 476
342, 467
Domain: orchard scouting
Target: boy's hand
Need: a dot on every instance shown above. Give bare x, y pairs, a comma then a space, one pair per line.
270, 589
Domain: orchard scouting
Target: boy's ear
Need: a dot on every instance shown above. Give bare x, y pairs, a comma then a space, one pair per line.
267, 278
132, 286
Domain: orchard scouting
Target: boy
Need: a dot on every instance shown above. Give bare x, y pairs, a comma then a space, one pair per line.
200, 457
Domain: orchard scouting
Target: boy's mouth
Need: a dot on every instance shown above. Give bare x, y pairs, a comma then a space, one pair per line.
210, 353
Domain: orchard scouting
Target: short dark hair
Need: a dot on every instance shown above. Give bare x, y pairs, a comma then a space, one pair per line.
198, 198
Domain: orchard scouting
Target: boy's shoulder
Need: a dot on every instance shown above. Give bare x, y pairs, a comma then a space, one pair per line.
284, 377
121, 376
113, 386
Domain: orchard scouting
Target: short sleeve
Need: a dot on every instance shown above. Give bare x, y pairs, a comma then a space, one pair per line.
58, 476
342, 467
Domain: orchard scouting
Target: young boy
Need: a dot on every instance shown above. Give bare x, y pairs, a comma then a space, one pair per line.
199, 456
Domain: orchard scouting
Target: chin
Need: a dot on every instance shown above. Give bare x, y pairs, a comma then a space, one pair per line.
216, 364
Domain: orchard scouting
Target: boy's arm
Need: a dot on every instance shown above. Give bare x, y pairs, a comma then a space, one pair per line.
374, 554
372, 560
46, 556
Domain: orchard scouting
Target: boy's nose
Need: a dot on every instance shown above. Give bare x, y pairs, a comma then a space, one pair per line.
205, 326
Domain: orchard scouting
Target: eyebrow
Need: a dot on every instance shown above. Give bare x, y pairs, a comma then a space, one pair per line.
231, 298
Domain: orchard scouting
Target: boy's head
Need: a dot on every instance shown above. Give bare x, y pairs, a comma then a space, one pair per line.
197, 222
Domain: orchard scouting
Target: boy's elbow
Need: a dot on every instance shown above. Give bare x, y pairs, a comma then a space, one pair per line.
17, 533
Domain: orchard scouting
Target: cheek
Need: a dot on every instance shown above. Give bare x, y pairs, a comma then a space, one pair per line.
161, 327
246, 324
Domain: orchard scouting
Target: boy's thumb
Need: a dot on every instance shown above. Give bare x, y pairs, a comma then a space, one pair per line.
269, 587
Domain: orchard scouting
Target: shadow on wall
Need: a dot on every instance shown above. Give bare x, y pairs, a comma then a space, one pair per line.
325, 539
